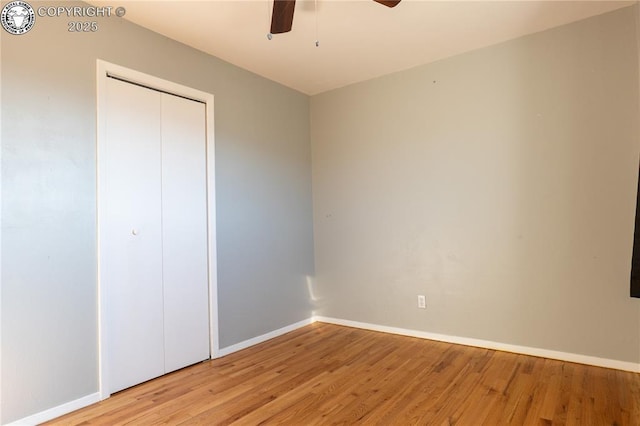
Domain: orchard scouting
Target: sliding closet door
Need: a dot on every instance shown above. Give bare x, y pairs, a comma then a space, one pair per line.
153, 233
184, 231
130, 235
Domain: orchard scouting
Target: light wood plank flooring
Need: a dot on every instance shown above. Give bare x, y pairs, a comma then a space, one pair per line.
325, 374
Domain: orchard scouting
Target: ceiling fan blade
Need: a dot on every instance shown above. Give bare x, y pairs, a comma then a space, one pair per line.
282, 17
388, 3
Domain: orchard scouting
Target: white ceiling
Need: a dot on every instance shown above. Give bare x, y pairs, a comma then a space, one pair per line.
359, 39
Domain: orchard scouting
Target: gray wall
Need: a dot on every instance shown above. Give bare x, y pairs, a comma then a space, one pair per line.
499, 183
263, 184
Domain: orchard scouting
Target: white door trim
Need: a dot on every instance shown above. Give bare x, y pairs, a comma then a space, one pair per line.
103, 69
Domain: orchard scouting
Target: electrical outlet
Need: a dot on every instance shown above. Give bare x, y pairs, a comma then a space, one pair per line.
422, 302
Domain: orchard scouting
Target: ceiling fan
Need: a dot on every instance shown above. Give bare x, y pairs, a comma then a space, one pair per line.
282, 17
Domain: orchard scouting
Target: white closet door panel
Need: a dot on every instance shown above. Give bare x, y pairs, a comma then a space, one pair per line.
184, 220
131, 249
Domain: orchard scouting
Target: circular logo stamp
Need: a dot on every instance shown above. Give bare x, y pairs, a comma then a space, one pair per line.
17, 17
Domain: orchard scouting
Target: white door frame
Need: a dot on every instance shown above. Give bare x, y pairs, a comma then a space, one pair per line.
105, 69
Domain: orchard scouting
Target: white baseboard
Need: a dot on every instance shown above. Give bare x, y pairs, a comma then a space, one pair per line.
68, 407
263, 338
58, 411
487, 344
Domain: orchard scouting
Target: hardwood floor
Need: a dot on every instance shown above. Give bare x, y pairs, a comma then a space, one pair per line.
326, 374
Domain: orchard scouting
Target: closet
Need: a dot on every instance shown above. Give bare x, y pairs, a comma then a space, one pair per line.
153, 233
